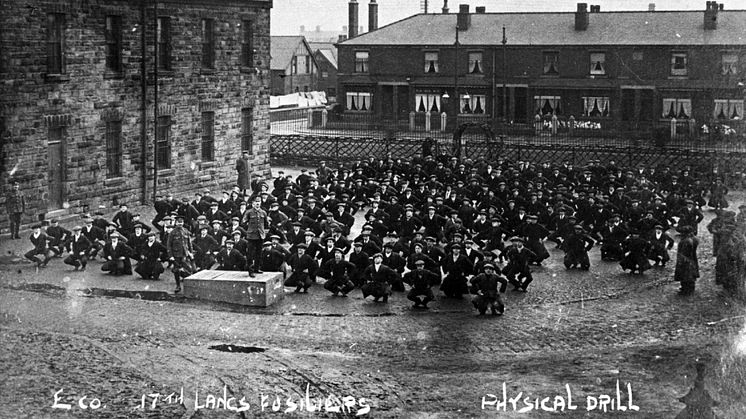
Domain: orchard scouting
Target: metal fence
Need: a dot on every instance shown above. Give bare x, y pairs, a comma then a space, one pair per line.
686, 134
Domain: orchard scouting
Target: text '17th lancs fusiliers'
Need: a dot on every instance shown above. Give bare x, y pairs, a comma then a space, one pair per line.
519, 402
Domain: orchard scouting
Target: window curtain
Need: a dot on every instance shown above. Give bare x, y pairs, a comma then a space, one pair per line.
475, 104
548, 105
685, 109
669, 108
596, 106
359, 101
351, 101
431, 62
427, 102
721, 109
475, 63
736, 109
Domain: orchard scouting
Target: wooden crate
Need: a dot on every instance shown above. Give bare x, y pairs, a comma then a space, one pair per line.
235, 287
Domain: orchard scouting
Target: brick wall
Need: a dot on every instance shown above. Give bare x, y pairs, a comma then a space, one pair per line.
87, 96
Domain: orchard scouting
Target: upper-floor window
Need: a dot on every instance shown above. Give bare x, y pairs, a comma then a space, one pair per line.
56, 43
473, 104
475, 63
309, 65
114, 43
677, 108
596, 106
164, 43
679, 61
431, 62
551, 63
730, 64
247, 44
208, 136
324, 74
361, 61
163, 143
113, 149
294, 65
728, 109
598, 63
208, 43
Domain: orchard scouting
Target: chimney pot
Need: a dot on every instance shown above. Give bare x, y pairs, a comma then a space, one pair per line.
651, 7
342, 38
352, 21
481, 10
721, 6
445, 6
581, 17
711, 16
372, 16
463, 20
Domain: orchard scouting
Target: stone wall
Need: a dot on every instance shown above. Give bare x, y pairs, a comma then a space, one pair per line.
87, 95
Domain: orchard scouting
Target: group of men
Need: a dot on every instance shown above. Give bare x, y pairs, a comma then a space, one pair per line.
428, 222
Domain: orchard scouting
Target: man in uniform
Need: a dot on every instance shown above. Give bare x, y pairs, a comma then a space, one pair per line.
15, 206
256, 230
180, 253
78, 245
485, 287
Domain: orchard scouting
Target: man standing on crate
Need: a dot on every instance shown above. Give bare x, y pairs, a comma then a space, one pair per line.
15, 205
256, 221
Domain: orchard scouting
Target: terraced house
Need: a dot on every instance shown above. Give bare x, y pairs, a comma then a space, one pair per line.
78, 108
620, 70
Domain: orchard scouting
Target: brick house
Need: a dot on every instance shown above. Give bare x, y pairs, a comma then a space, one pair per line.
624, 70
326, 58
78, 104
294, 67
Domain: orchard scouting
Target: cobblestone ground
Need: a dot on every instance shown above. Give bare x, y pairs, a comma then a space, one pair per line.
585, 330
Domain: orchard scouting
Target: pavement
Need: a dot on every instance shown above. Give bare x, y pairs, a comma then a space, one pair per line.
119, 338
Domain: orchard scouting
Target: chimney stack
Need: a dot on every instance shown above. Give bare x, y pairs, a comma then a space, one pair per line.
302, 28
581, 17
481, 10
463, 20
318, 28
352, 21
445, 6
372, 16
651, 7
342, 38
721, 6
596, 9
711, 15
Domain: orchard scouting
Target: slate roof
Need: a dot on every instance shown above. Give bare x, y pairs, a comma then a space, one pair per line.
605, 28
282, 49
327, 49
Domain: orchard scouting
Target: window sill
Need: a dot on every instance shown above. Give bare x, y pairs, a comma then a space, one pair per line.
166, 172
114, 181
248, 70
676, 77
206, 165
113, 75
56, 78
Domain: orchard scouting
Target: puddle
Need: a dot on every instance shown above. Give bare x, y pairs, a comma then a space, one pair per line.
236, 349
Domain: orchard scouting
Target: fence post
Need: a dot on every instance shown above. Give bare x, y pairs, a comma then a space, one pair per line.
554, 124
443, 120
324, 116
572, 125
673, 129
310, 118
537, 124
336, 149
411, 121
428, 124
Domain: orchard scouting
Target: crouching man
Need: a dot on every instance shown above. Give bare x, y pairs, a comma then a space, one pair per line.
152, 256
337, 273
484, 286
117, 257
378, 279
303, 269
421, 281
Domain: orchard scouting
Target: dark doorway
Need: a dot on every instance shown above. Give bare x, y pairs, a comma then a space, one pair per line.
521, 97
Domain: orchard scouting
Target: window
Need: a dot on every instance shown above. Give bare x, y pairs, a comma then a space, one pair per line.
208, 136
247, 44
431, 62
728, 109
548, 105
163, 143
324, 74
475, 63
55, 43
114, 43
730, 64
309, 67
208, 43
551, 63
598, 63
361, 61
359, 101
427, 102
294, 65
113, 149
678, 64
677, 108
473, 104
596, 106
247, 130
164, 43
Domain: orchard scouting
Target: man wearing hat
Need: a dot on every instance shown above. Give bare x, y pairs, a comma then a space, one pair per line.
257, 223
243, 167
535, 234
327, 250
612, 236
312, 248
205, 249
272, 258
517, 270
690, 216
343, 217
637, 249
576, 247
41, 247
15, 206
239, 243
188, 211
687, 262
377, 279
295, 233
58, 236
338, 273
303, 270
137, 240
230, 259
117, 256
95, 235
660, 244
180, 252
361, 260
329, 225
485, 286
215, 214
421, 280
78, 245
456, 267
123, 220
151, 257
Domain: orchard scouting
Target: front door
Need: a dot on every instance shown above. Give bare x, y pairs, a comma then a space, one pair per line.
56, 170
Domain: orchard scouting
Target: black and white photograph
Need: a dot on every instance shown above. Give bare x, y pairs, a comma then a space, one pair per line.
423, 209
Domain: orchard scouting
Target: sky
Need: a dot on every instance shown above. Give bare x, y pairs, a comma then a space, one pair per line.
331, 15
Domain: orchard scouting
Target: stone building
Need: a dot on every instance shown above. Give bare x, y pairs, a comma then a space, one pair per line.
78, 98
622, 70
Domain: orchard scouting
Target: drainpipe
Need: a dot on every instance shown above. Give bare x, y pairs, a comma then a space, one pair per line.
144, 110
155, 99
